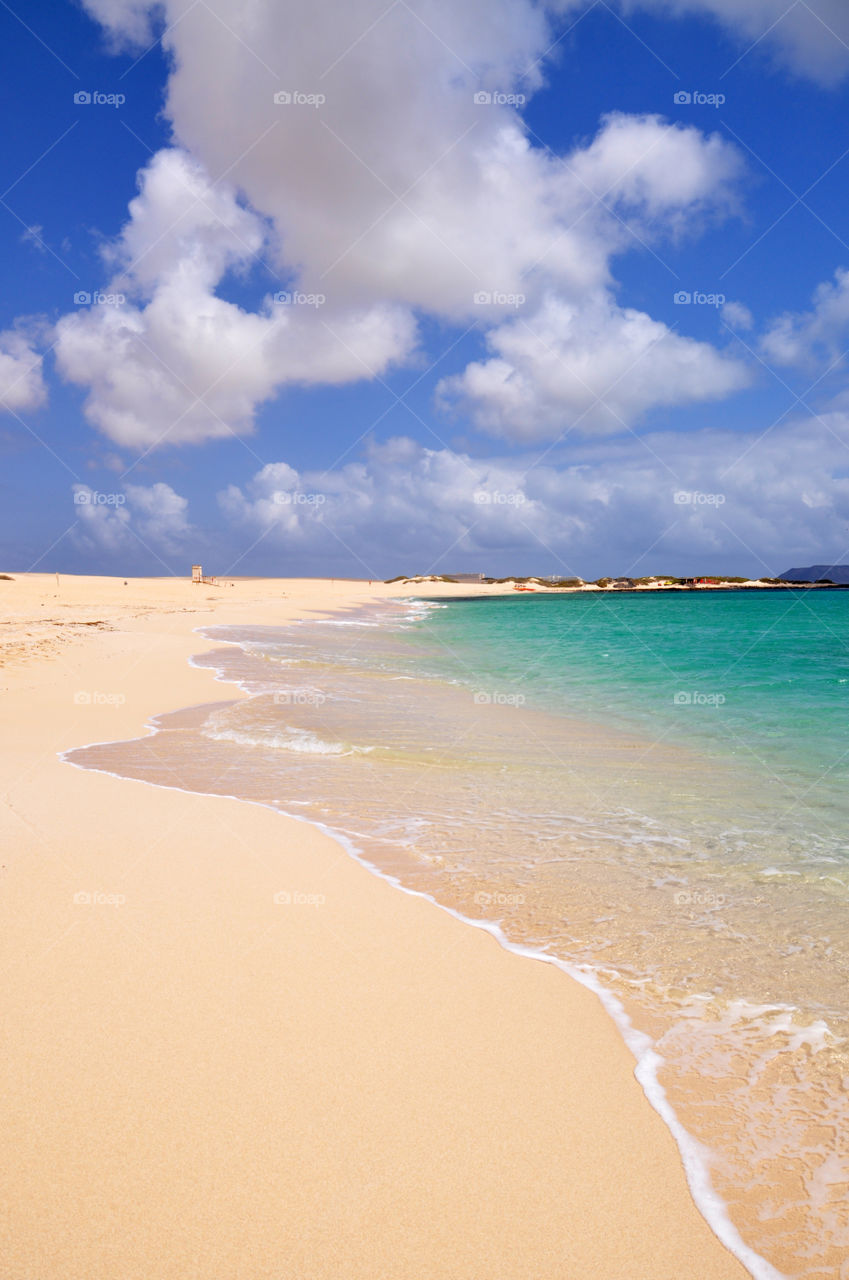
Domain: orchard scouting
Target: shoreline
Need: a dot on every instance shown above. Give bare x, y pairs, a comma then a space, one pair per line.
626, 1201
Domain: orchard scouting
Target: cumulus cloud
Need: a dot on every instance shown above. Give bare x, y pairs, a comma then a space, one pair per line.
814, 338
721, 497
159, 514
379, 160
153, 517
21, 381
168, 361
811, 37
594, 368
661, 171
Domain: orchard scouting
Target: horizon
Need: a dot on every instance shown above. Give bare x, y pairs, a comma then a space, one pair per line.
456, 576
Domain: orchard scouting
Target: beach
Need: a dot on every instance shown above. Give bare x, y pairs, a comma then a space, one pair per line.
231, 1051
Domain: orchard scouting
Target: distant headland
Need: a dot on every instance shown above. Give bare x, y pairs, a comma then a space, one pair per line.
816, 577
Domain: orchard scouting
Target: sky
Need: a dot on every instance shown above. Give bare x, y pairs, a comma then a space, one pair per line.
359, 288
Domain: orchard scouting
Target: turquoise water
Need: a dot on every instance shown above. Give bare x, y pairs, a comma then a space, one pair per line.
756, 677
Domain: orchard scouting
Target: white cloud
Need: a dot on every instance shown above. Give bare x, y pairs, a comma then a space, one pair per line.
737, 316
810, 37
137, 518
159, 515
397, 195
168, 361
594, 368
102, 519
21, 381
812, 338
662, 171
34, 235
719, 497
129, 21
575, 358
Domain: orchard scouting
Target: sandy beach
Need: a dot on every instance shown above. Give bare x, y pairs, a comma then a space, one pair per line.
201, 1081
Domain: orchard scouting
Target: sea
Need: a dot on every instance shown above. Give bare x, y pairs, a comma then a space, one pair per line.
648, 789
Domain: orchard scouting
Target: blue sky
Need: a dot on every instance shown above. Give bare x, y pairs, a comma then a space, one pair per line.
420, 314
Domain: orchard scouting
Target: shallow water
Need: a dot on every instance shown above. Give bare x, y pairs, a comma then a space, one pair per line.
532, 762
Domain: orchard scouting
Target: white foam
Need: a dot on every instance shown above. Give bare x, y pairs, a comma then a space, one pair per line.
289, 739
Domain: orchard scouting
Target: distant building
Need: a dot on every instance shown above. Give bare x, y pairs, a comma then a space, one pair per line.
466, 577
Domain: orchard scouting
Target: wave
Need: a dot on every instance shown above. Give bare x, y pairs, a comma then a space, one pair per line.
283, 738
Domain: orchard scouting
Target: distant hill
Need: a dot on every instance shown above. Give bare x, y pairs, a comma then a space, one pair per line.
836, 572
